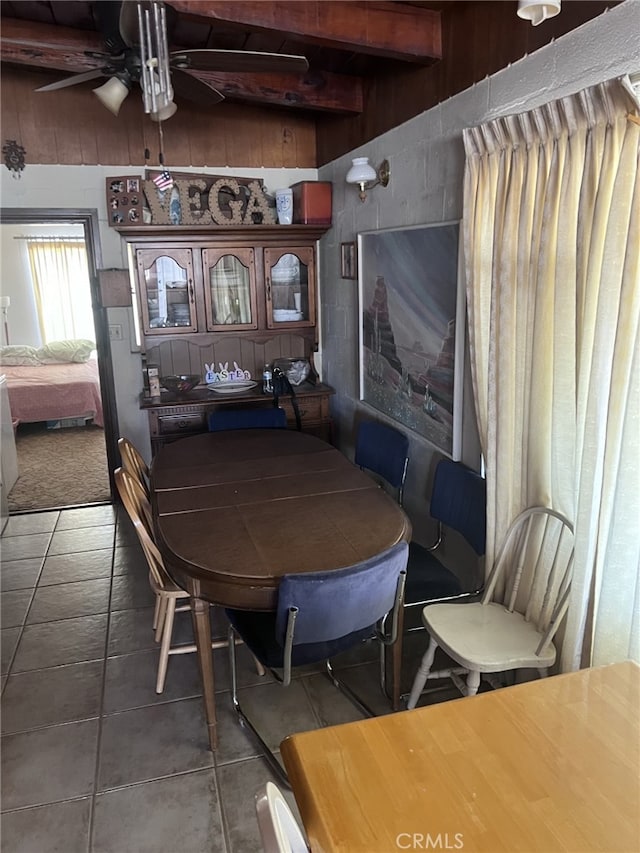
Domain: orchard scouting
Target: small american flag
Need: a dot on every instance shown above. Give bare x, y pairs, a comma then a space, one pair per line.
163, 180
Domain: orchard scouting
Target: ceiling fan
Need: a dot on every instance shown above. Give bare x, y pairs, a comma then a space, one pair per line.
135, 35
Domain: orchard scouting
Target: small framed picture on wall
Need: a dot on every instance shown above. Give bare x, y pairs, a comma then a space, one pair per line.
348, 260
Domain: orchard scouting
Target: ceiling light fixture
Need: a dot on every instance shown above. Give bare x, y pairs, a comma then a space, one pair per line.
538, 11
366, 177
112, 93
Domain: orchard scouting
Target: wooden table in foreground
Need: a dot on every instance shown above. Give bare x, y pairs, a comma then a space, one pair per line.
236, 511
551, 765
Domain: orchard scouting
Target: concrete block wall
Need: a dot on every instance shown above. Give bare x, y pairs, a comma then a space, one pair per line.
426, 158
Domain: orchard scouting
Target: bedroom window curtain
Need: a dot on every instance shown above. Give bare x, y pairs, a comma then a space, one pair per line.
551, 236
60, 275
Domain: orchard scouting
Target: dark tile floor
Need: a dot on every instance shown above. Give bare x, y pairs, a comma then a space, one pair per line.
92, 758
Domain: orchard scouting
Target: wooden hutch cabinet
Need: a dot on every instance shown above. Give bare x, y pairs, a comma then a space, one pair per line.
218, 297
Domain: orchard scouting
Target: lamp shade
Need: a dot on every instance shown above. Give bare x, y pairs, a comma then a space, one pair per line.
164, 112
5, 302
112, 94
537, 11
361, 171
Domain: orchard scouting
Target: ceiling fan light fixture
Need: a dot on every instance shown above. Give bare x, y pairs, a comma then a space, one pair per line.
113, 93
164, 112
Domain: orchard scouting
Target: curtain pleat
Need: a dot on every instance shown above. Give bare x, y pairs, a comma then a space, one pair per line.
551, 237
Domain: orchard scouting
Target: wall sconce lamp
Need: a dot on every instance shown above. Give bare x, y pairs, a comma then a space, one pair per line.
363, 174
538, 11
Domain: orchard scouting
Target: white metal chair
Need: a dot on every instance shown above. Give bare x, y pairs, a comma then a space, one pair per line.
513, 626
279, 830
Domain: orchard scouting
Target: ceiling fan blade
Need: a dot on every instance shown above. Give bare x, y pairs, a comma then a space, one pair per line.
72, 81
238, 60
128, 22
108, 14
191, 89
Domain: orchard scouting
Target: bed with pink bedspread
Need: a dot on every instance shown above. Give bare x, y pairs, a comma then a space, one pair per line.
48, 392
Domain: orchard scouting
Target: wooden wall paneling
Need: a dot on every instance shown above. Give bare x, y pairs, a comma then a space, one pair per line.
87, 134
177, 137
112, 140
206, 137
71, 127
247, 139
10, 114
135, 128
32, 132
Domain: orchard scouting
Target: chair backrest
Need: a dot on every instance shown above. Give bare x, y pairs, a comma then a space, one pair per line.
459, 501
334, 604
133, 463
139, 511
269, 418
384, 450
533, 568
279, 830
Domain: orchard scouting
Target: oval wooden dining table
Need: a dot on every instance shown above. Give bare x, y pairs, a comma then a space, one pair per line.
236, 511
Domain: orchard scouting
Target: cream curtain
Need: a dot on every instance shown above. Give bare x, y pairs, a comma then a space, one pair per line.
60, 276
551, 237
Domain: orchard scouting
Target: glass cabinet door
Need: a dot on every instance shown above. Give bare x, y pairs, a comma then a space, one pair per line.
167, 299
290, 276
229, 289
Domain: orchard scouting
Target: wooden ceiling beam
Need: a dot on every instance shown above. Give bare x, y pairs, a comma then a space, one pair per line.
392, 30
63, 49
320, 91
47, 46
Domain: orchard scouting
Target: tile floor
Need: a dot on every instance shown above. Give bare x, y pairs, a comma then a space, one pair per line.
92, 758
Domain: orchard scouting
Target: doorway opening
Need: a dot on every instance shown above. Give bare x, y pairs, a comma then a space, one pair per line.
56, 359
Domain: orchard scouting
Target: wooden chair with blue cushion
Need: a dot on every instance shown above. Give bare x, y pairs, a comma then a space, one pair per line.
385, 451
320, 614
459, 503
269, 418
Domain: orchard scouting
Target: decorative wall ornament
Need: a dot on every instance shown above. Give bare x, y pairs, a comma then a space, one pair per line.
223, 374
228, 203
14, 157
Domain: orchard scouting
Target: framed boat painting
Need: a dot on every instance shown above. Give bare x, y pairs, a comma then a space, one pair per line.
412, 310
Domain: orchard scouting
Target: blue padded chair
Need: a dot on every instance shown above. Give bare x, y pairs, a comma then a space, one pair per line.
319, 615
225, 419
384, 450
458, 502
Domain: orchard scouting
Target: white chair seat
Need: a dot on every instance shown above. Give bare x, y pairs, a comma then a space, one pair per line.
514, 624
486, 637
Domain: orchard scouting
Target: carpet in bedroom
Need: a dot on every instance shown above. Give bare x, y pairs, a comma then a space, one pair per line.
59, 467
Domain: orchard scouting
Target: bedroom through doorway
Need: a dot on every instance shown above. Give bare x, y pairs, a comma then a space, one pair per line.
54, 364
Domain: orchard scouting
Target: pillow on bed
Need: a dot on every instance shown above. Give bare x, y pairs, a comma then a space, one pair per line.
19, 355
62, 352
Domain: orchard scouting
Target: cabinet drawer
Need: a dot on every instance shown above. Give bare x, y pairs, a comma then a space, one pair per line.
188, 422
310, 409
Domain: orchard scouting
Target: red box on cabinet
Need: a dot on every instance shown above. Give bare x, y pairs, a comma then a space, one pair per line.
312, 203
